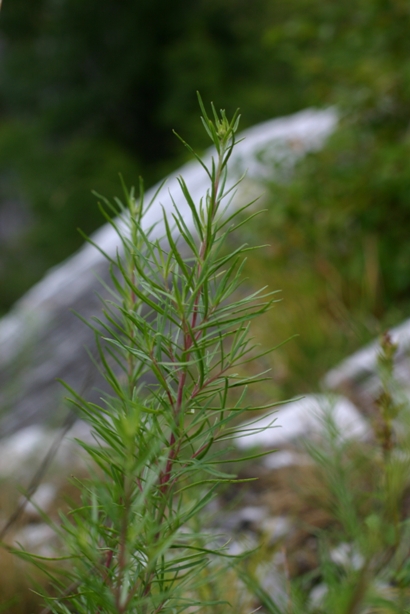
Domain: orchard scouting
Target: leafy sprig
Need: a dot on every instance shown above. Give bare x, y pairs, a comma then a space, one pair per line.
173, 332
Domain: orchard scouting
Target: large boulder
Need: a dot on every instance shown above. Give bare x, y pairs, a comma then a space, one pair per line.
41, 339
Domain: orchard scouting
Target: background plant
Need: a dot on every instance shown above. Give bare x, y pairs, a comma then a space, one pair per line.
348, 549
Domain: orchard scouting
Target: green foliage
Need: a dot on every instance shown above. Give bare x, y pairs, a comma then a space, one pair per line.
54, 203
137, 542
353, 200
338, 222
354, 53
367, 490
125, 73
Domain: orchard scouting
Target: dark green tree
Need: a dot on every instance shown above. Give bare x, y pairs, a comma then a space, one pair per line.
89, 89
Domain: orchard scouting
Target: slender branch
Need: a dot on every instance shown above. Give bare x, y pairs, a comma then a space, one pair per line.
122, 548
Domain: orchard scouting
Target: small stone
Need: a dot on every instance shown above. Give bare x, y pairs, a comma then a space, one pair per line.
275, 528
285, 458
40, 501
317, 595
38, 538
345, 556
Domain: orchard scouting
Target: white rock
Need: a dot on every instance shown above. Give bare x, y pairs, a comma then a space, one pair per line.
299, 419
38, 538
273, 580
42, 500
22, 452
262, 145
246, 543
20, 449
285, 458
346, 556
49, 341
317, 595
275, 528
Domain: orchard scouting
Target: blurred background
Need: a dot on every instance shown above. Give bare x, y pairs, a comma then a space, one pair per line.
91, 89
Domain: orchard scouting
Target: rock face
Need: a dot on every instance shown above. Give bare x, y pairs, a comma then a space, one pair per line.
41, 339
357, 377
303, 418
